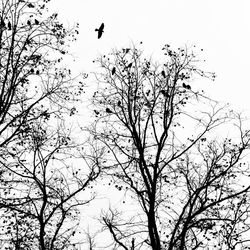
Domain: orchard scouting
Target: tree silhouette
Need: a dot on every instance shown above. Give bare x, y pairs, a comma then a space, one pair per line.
30, 51
163, 145
42, 190
39, 183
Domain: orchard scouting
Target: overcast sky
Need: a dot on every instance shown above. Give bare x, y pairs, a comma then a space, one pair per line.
221, 28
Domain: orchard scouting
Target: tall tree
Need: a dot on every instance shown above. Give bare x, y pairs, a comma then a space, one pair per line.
164, 144
39, 178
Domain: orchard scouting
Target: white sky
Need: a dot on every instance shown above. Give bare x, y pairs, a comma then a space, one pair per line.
221, 28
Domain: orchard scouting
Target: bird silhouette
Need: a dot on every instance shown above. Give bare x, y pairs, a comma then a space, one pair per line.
119, 103
186, 86
163, 74
36, 22
133, 244
108, 110
9, 26
29, 23
113, 71
130, 65
30, 5
100, 31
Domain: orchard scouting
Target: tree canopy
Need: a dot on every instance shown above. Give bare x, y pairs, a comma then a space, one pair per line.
177, 157
162, 145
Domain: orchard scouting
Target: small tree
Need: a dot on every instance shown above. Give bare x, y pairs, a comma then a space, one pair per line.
162, 144
39, 181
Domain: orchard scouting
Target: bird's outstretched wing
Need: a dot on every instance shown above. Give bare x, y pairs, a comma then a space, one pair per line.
101, 27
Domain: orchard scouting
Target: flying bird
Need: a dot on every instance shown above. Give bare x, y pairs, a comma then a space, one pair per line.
100, 31
113, 71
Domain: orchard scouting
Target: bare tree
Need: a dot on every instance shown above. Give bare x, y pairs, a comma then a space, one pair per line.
164, 144
40, 180
42, 188
33, 84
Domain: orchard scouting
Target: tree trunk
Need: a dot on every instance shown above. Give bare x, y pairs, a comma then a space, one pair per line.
152, 229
